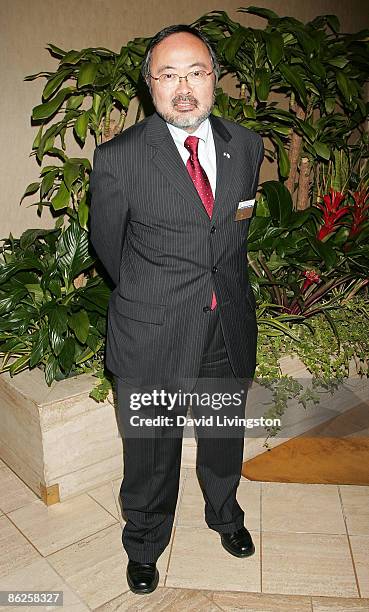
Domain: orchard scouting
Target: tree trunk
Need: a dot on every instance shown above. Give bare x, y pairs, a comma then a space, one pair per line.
294, 151
304, 185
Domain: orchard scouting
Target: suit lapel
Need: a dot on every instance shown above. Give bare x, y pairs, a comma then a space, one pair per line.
167, 159
225, 162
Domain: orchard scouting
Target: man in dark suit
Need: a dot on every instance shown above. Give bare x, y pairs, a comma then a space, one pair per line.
172, 198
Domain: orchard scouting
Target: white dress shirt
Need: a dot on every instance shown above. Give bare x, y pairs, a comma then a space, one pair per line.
206, 149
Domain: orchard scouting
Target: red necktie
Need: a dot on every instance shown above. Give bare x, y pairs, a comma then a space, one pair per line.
201, 182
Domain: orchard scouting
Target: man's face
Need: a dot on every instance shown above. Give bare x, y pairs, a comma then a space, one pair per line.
183, 105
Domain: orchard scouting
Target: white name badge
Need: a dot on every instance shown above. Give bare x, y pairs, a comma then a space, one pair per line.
244, 210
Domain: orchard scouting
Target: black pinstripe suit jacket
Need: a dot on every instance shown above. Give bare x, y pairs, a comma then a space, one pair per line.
151, 231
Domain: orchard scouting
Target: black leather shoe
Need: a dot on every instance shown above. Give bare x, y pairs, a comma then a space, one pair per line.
239, 543
142, 577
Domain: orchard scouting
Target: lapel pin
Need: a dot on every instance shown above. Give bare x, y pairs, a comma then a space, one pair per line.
226, 154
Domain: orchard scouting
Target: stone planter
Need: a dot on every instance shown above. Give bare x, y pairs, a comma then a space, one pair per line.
61, 442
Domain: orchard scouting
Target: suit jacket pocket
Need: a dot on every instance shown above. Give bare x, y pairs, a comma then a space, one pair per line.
140, 311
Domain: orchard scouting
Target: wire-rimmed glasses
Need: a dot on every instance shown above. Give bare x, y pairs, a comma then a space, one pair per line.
170, 79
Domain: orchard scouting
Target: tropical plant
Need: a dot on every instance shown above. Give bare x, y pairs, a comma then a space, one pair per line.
46, 320
99, 83
320, 71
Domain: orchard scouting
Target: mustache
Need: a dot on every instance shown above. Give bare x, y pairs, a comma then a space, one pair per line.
182, 98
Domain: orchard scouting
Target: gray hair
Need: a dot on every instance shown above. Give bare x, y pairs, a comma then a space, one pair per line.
168, 31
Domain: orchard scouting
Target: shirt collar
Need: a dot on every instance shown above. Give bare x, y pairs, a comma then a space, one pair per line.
180, 135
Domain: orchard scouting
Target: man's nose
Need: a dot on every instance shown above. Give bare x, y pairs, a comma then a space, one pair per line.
183, 87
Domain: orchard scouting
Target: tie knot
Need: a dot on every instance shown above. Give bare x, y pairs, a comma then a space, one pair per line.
191, 144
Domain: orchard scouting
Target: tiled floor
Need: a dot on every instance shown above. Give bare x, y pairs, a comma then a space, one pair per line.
312, 550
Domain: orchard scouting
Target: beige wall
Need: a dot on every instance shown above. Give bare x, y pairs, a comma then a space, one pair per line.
26, 26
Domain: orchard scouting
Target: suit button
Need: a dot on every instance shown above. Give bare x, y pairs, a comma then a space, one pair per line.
214, 269
206, 309
213, 229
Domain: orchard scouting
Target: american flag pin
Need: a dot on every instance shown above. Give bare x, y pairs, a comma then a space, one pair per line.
226, 154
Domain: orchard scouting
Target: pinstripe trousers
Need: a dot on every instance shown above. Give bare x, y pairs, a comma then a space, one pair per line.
152, 456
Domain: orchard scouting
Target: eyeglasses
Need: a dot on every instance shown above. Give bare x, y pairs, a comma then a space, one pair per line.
169, 79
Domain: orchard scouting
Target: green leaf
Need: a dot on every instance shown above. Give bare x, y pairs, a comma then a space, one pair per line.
83, 212
87, 353
307, 129
322, 149
29, 262
274, 323
61, 200
32, 188
51, 369
72, 57
216, 111
11, 300
249, 111
48, 182
66, 356
274, 47
58, 325
340, 237
39, 346
81, 125
96, 100
326, 253
233, 43
317, 67
87, 74
37, 140
35, 290
18, 365
47, 140
31, 77
279, 201
73, 252
58, 153
329, 104
340, 61
74, 102
46, 110
101, 391
94, 341
80, 324
56, 50
292, 76
281, 129
13, 345
261, 12
262, 79
71, 173
122, 97
333, 22
298, 218
29, 236
54, 83
344, 87
96, 298
283, 161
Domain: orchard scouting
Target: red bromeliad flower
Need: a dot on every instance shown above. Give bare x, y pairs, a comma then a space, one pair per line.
360, 211
310, 277
332, 213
